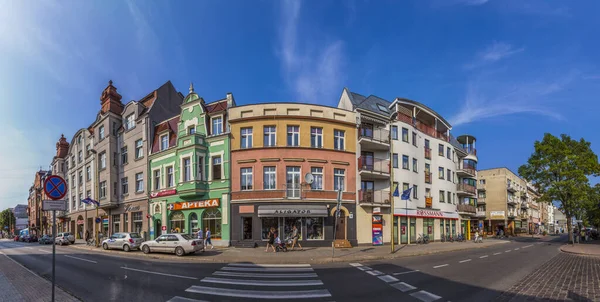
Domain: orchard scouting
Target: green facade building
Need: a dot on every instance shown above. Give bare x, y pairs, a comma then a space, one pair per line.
189, 170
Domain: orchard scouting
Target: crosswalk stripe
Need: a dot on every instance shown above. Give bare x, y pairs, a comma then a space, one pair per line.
355, 264
184, 299
388, 278
266, 275
263, 282
425, 296
267, 269
403, 287
363, 268
260, 294
268, 265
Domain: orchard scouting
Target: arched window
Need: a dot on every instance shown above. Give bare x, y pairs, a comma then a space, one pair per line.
211, 219
157, 209
177, 222
194, 226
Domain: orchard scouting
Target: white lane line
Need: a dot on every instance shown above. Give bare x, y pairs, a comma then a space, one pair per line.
528, 246
364, 268
267, 269
30, 248
356, 264
268, 275
403, 287
438, 266
183, 299
425, 296
92, 261
507, 251
402, 273
157, 273
267, 265
463, 261
44, 251
388, 278
516, 249
374, 273
259, 294
484, 256
263, 282
497, 254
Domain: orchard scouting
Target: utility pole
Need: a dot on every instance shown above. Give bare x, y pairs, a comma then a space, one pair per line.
392, 189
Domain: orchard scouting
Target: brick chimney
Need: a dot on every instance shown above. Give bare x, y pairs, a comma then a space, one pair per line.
62, 147
111, 100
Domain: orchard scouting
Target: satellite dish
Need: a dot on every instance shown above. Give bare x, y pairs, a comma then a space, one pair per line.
309, 178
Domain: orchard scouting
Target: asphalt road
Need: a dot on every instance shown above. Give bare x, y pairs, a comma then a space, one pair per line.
471, 275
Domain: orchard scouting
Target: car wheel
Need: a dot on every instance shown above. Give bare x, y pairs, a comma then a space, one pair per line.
179, 251
146, 249
105, 246
126, 248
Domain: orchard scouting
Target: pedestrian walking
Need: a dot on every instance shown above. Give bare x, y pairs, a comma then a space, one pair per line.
201, 239
271, 242
208, 241
295, 237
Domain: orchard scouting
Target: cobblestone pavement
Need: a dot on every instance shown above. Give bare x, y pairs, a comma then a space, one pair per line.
17, 284
566, 277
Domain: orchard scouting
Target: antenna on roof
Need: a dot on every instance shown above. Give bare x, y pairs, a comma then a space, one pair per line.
191, 87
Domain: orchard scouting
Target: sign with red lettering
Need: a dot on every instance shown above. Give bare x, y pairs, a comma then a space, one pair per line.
426, 213
403, 230
429, 230
163, 193
189, 205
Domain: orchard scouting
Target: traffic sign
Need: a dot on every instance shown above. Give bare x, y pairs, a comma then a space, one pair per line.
55, 187
54, 205
164, 228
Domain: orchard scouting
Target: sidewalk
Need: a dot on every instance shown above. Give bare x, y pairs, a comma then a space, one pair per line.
591, 248
312, 255
18, 284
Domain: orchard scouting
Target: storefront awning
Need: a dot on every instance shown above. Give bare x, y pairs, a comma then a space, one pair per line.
292, 211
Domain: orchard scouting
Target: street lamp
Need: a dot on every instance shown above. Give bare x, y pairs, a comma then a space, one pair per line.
96, 188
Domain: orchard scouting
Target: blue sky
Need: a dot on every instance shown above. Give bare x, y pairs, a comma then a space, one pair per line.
504, 71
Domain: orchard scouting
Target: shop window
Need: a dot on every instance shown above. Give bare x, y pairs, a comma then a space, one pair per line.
314, 228
125, 222
211, 219
194, 226
247, 228
266, 224
288, 226
116, 223
177, 222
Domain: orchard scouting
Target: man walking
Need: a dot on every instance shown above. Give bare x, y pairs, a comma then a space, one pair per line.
295, 237
208, 241
200, 238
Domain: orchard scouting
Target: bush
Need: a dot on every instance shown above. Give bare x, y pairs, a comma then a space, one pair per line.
545, 233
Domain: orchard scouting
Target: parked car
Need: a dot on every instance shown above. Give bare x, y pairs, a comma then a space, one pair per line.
16, 238
180, 244
46, 239
63, 238
124, 241
70, 237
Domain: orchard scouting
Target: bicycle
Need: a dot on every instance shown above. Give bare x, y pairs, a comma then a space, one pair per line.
423, 239
478, 239
443, 238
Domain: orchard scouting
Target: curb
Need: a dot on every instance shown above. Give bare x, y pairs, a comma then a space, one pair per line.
577, 253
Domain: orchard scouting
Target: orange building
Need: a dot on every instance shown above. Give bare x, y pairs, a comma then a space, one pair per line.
288, 162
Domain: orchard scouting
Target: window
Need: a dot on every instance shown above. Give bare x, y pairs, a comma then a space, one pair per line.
80, 178
441, 150
246, 180
194, 225
316, 137
115, 158
217, 125
216, 172
269, 136
170, 179
338, 139
164, 142
405, 135
137, 222
139, 149
80, 199
187, 169
448, 175
415, 192
405, 186
317, 173
441, 172
405, 162
156, 179
314, 228
130, 122
115, 129
293, 182
139, 182
414, 139
124, 155
394, 132
211, 219
79, 140
395, 160
482, 181
415, 165
338, 179
269, 178
192, 130
116, 223
79, 156
88, 173
200, 168
293, 136
442, 196
124, 185
101, 132
125, 222
87, 149
481, 194
102, 189
449, 196
448, 153
73, 183
246, 136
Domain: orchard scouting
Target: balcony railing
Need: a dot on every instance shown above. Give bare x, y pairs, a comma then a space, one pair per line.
480, 214
423, 127
510, 187
511, 200
511, 214
428, 153
405, 118
379, 135
374, 196
467, 171
370, 164
466, 188
481, 200
466, 208
524, 205
428, 177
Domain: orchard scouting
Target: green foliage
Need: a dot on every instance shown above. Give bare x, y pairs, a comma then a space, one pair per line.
7, 217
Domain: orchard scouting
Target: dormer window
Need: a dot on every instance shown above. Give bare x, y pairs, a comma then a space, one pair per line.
217, 125
164, 142
130, 122
192, 130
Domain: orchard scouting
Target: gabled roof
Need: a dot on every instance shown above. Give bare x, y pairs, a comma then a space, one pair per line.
371, 103
220, 105
171, 127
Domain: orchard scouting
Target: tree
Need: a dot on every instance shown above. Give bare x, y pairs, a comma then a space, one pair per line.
559, 169
7, 219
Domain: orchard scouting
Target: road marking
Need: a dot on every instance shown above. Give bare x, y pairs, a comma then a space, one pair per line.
485, 256
157, 273
425, 296
516, 249
507, 251
44, 251
402, 273
356, 264
497, 254
388, 278
183, 299
267, 269
374, 273
259, 294
528, 246
28, 247
268, 265
269, 275
403, 287
263, 282
363, 268
438, 266
463, 261
92, 261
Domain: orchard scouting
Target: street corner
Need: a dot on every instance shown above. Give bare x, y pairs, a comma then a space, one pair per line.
590, 249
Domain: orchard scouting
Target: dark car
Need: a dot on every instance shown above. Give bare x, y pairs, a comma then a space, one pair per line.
46, 239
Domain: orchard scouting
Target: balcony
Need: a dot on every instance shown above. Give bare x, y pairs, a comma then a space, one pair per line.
427, 177
481, 187
512, 201
524, 205
192, 139
511, 215
480, 214
481, 201
373, 168
511, 188
405, 118
373, 198
259, 195
374, 139
466, 171
427, 153
192, 188
465, 189
466, 209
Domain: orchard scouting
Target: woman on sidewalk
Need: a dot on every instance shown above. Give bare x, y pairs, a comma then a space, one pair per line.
208, 239
295, 237
271, 241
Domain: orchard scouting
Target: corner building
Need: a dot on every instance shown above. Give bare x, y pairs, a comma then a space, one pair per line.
273, 148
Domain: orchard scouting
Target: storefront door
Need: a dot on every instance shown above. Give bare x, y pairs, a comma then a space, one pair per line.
246, 228
413, 229
340, 232
403, 232
158, 228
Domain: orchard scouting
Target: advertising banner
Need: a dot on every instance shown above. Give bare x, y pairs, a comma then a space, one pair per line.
377, 229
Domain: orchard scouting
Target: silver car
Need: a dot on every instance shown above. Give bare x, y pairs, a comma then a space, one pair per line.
124, 241
64, 238
180, 244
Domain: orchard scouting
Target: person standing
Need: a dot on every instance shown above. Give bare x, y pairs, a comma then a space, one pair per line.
295, 237
208, 241
271, 242
201, 239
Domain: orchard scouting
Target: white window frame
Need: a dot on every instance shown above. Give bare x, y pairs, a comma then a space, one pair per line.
156, 183
102, 189
317, 136
130, 122
246, 134
170, 177
88, 173
317, 175
139, 182
187, 170
246, 175
124, 185
295, 133
103, 160
220, 123
336, 181
270, 136
200, 167
101, 132
139, 149
339, 141
269, 174
415, 165
162, 145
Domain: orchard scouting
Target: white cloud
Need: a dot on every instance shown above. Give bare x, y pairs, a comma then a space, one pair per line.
493, 53
314, 71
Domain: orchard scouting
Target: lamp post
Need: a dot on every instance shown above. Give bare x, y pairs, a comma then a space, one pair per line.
96, 188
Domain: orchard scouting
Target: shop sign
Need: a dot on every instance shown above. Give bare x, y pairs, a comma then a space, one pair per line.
427, 213
163, 193
497, 215
424, 213
132, 208
189, 205
292, 212
79, 221
428, 202
377, 210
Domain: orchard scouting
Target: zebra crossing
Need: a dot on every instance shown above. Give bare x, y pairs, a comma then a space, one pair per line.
258, 281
